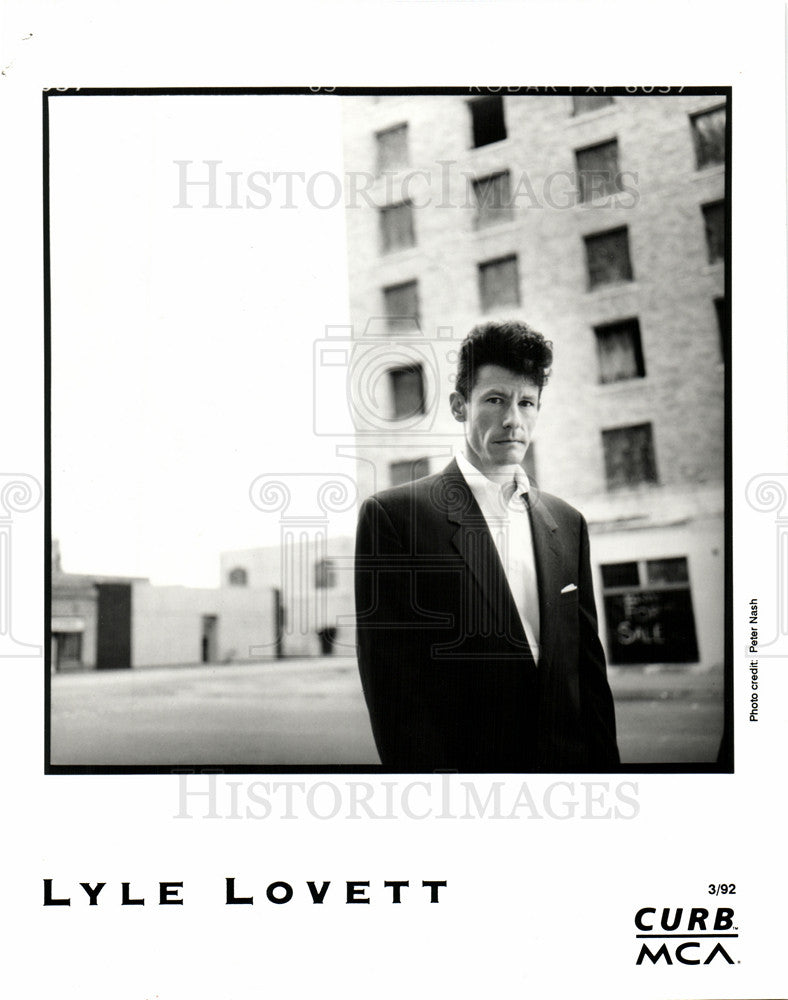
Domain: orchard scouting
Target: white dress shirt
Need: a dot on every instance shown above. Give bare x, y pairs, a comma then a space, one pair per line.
503, 503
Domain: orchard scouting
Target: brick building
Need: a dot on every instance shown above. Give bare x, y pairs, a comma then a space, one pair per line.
601, 222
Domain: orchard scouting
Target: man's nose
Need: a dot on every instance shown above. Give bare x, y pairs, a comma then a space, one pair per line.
511, 416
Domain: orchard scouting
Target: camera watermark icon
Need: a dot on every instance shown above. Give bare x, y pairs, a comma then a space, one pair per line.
384, 379
19, 494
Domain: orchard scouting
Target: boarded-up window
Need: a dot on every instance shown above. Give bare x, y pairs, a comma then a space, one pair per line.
407, 391
499, 283
237, 577
405, 472
597, 170
619, 351
629, 456
493, 200
392, 148
608, 258
708, 135
325, 574
714, 222
584, 103
489, 124
401, 303
396, 227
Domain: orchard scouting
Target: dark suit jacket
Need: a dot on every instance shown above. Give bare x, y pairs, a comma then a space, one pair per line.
447, 672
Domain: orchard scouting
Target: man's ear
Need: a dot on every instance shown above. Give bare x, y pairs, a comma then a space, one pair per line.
459, 408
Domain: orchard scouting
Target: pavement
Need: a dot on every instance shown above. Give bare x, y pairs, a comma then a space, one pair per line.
311, 712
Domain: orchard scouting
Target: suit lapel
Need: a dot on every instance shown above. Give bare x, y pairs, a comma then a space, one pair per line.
547, 550
473, 541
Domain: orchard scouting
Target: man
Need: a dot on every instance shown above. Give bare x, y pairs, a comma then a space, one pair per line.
477, 630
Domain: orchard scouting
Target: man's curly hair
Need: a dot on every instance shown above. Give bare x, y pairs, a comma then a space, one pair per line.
511, 344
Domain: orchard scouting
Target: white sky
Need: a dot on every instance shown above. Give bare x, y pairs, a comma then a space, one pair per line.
182, 339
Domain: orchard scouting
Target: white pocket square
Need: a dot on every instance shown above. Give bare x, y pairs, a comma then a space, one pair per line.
569, 588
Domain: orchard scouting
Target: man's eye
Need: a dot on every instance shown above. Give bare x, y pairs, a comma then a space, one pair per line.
526, 402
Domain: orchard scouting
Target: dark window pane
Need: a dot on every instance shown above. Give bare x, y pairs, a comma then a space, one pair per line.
489, 124
493, 200
589, 102
325, 574
597, 170
723, 325
629, 456
392, 147
667, 570
608, 257
401, 303
619, 351
499, 283
620, 575
407, 389
708, 134
404, 472
396, 227
237, 577
714, 221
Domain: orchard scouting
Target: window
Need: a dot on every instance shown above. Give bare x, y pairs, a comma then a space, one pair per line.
493, 200
405, 472
620, 575
489, 124
629, 456
708, 134
608, 259
667, 570
589, 102
392, 148
714, 221
401, 304
325, 574
597, 170
648, 612
396, 227
499, 283
723, 325
619, 351
237, 577
407, 390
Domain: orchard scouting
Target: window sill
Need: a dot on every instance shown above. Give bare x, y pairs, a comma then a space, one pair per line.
621, 385
613, 289
589, 116
509, 225
712, 170
397, 255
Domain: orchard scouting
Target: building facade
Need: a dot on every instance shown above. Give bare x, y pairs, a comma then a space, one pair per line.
600, 221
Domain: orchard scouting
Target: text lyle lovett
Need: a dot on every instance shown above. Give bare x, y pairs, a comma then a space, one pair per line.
170, 893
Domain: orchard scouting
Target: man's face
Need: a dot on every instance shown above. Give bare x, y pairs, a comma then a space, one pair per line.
499, 417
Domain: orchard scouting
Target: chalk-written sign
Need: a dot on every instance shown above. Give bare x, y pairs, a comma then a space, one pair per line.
651, 626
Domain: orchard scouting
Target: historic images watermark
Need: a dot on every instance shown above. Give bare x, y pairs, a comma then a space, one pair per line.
216, 184
444, 797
